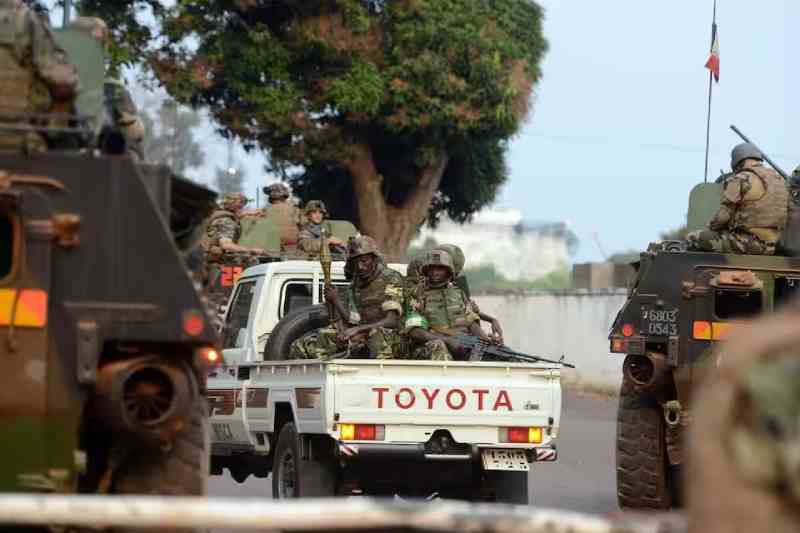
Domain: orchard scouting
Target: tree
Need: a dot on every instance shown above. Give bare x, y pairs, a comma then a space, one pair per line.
229, 180
404, 107
170, 138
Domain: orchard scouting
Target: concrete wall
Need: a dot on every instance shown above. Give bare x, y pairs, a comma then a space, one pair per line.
574, 323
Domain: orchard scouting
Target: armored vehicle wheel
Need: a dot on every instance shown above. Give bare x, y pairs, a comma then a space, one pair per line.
644, 477
294, 476
182, 470
293, 326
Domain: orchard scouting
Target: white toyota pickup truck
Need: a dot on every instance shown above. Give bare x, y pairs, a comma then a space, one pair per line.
467, 430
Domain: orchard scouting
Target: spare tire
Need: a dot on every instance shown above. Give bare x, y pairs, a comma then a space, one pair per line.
293, 326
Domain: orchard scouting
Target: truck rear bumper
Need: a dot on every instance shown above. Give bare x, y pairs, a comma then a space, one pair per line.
417, 453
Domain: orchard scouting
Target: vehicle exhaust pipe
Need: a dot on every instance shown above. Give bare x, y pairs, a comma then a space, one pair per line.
144, 398
646, 372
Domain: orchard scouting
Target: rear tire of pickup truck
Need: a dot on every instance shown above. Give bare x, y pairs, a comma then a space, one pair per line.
293, 326
296, 477
644, 477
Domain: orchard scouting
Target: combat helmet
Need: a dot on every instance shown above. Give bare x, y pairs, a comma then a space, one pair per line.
438, 258
456, 254
231, 199
315, 205
744, 151
277, 191
362, 245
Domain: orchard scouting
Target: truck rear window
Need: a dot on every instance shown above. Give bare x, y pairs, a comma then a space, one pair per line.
238, 316
7, 243
786, 289
737, 304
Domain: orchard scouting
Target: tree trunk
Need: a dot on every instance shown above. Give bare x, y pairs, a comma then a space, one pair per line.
392, 227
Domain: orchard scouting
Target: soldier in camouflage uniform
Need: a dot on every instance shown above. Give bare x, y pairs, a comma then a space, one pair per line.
223, 229
120, 108
35, 76
754, 209
440, 311
285, 214
308, 240
372, 310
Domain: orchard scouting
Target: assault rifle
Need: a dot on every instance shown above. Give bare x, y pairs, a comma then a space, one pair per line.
484, 350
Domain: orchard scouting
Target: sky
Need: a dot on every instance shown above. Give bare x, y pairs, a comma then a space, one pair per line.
616, 139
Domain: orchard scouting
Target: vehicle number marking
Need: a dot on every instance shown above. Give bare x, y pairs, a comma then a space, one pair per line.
222, 432
230, 275
497, 459
661, 322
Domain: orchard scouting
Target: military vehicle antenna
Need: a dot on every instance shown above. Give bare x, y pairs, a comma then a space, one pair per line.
778, 169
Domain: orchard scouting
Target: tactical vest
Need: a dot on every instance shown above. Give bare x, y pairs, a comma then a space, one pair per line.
16, 80
285, 217
446, 309
769, 211
206, 242
369, 300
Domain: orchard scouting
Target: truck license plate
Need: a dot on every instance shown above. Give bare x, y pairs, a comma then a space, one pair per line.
662, 322
495, 459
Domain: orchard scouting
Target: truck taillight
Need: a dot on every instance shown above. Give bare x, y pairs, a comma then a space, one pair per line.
362, 432
207, 357
522, 435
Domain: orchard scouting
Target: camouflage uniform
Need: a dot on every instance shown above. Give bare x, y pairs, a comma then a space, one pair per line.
222, 224
752, 216
445, 310
285, 215
308, 240
34, 73
119, 105
368, 302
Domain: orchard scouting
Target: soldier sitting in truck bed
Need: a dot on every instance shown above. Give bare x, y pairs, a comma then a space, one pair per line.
440, 311
372, 310
754, 209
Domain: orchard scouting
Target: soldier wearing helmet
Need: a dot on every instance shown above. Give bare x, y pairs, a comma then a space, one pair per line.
754, 208
35, 75
370, 311
284, 213
308, 240
120, 109
223, 229
440, 310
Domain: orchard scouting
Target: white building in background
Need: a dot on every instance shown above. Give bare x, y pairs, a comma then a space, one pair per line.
518, 250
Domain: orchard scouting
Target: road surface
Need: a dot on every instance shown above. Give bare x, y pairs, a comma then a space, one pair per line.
581, 480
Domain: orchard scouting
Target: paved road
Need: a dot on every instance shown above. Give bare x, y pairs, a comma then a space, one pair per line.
581, 480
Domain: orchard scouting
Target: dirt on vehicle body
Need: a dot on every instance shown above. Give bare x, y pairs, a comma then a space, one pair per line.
679, 306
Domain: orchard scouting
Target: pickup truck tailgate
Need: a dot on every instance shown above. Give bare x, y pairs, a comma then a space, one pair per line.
471, 400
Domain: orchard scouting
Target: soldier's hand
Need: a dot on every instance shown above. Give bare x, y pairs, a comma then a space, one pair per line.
257, 251
349, 333
331, 295
333, 241
497, 333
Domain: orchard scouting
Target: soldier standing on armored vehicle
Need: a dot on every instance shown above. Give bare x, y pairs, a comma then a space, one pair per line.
372, 310
120, 108
311, 230
441, 311
35, 76
754, 209
285, 214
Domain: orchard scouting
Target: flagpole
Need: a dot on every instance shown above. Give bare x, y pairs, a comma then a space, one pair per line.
710, 90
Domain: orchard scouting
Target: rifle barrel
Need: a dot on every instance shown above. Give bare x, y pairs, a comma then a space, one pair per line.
778, 169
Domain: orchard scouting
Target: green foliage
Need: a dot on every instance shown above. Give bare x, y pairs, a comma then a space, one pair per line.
307, 81
487, 278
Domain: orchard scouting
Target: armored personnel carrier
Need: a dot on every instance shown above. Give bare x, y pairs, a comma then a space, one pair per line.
105, 339
679, 305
